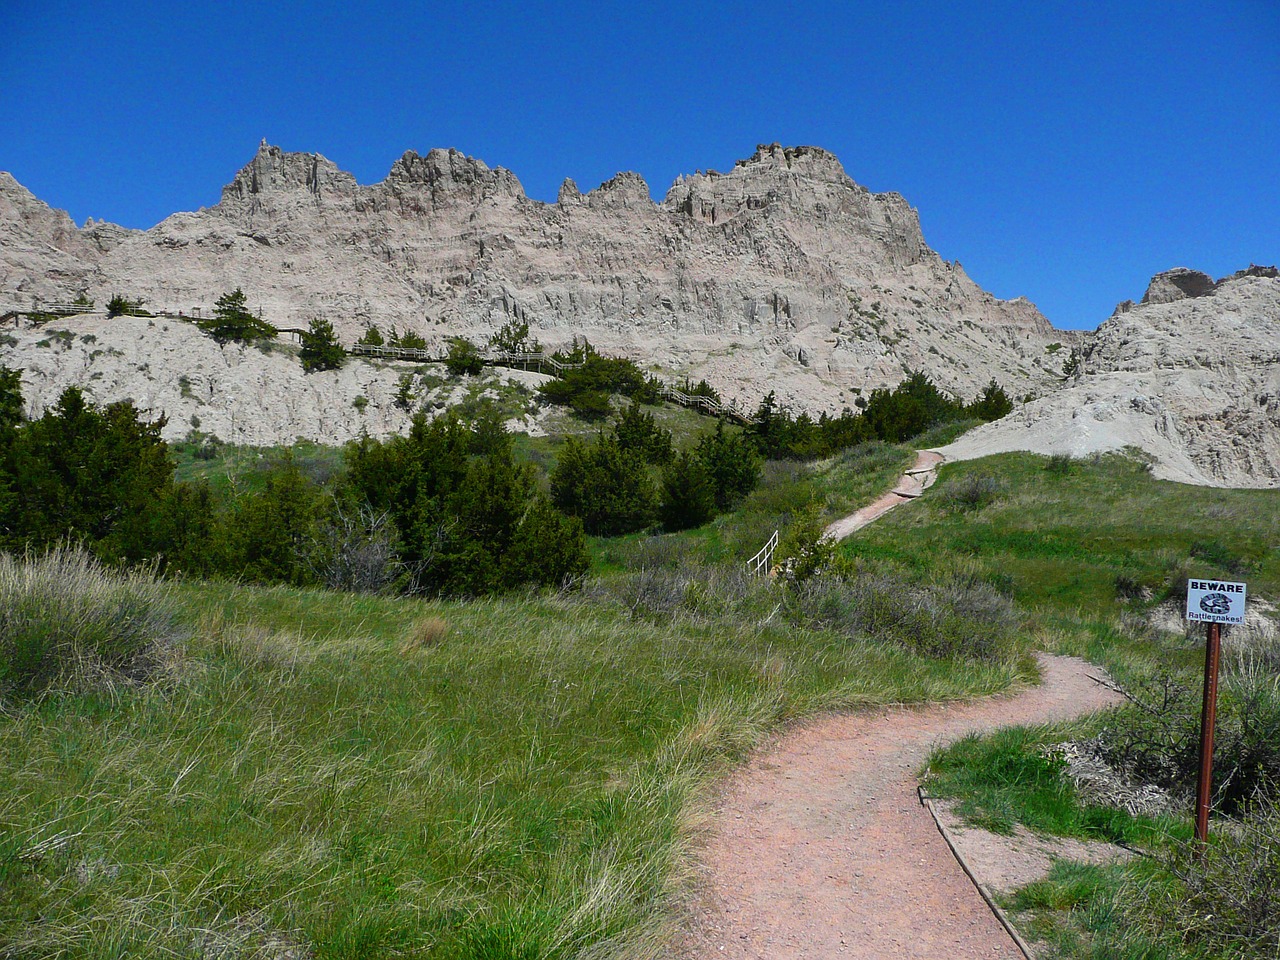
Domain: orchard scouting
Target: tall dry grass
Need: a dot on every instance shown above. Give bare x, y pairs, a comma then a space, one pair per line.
64, 618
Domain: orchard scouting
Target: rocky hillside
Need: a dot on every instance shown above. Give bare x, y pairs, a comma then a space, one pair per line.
780, 274
1191, 375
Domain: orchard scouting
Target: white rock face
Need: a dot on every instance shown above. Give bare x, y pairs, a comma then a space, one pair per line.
1192, 379
781, 274
234, 392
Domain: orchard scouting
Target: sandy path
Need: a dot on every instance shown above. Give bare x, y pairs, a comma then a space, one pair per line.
820, 847
913, 483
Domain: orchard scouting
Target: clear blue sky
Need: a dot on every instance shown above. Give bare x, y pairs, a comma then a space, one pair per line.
1063, 151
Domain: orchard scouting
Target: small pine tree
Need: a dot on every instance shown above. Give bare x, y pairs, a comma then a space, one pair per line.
232, 320
1071, 366
320, 348
992, 404
463, 358
121, 306
372, 338
404, 393
688, 494
514, 338
409, 340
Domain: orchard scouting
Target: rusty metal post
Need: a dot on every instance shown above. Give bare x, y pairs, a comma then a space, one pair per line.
1208, 715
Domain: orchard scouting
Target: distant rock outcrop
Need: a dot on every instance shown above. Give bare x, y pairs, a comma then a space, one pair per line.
1178, 284
1193, 379
781, 274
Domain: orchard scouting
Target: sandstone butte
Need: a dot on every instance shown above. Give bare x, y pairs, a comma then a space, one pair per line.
781, 274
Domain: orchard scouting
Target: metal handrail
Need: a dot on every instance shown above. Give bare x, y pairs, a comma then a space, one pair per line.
764, 558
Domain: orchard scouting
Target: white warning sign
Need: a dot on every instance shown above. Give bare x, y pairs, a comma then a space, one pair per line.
1215, 601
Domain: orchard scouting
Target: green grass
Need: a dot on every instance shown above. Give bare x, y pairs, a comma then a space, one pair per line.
1005, 779
229, 468
1060, 537
526, 787
1087, 913
840, 484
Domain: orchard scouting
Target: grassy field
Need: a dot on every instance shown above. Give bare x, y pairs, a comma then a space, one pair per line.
341, 776
362, 776
1081, 544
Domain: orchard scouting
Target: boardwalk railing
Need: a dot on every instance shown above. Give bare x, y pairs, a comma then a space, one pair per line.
393, 353
711, 405
764, 559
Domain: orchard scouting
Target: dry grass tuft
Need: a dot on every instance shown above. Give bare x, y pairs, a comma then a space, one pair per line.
425, 633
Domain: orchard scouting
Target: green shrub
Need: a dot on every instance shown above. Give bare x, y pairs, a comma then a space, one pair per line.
598, 375
1226, 900
320, 347
232, 320
591, 405
1157, 739
688, 493
463, 358
946, 617
372, 337
65, 618
606, 486
973, 491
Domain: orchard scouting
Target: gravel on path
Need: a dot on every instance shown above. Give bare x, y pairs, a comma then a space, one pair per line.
820, 848
913, 483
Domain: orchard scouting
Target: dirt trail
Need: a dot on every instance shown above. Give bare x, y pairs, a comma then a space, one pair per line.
820, 847
913, 483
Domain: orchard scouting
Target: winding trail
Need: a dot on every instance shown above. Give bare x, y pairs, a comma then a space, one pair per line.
913, 483
820, 847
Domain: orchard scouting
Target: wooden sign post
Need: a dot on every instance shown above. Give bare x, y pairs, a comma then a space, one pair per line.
1213, 603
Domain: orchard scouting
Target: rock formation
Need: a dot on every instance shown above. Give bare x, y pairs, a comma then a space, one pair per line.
780, 274
1191, 375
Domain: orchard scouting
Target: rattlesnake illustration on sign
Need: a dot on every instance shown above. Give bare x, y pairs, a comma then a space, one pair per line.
1218, 603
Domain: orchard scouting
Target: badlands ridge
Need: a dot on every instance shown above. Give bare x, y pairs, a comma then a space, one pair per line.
782, 274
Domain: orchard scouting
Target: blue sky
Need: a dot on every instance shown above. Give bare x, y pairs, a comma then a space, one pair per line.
1061, 151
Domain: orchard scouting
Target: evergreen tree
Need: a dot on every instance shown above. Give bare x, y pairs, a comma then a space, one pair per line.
608, 487
85, 473
638, 431
232, 320
320, 347
263, 537
463, 358
688, 493
372, 337
548, 549
992, 404
732, 465
11, 405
